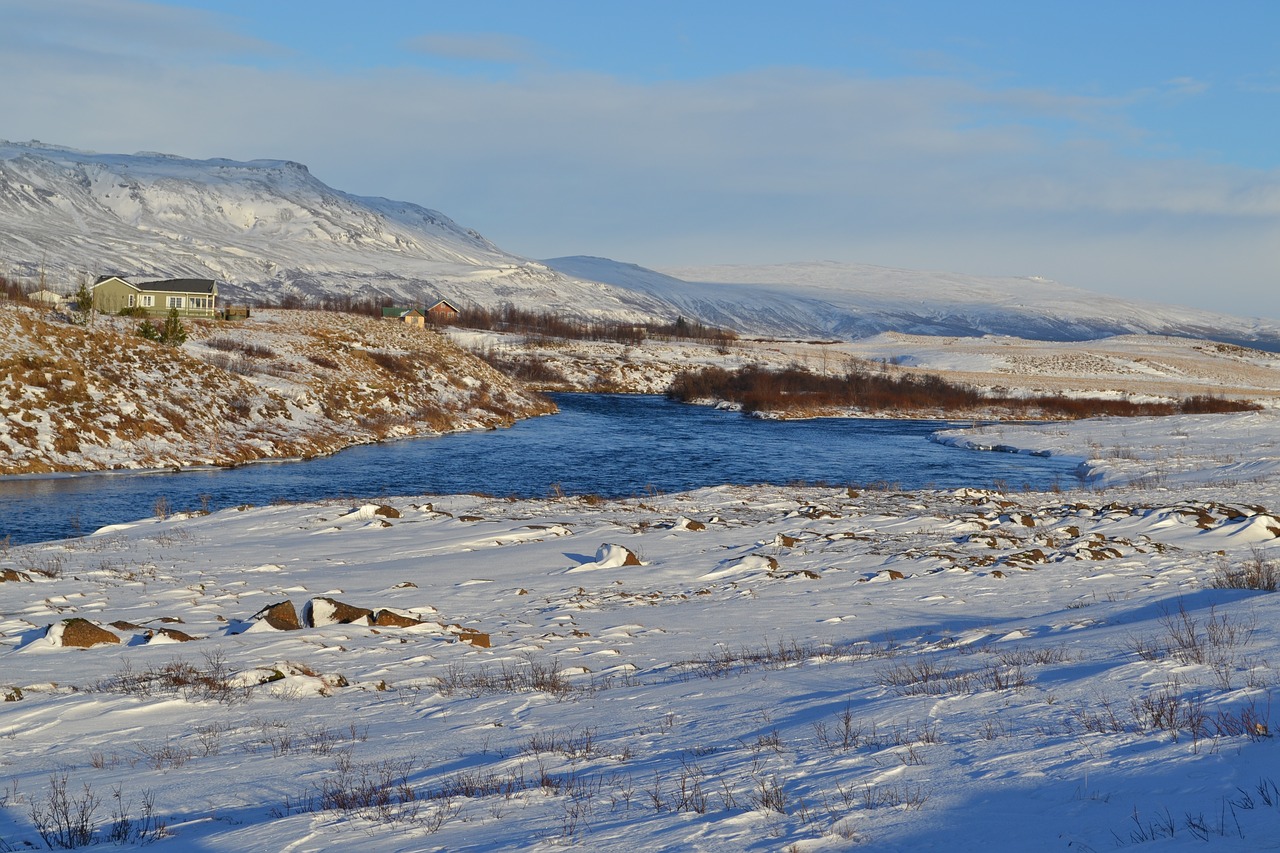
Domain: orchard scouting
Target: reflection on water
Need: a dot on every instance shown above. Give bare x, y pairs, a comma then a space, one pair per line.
611, 445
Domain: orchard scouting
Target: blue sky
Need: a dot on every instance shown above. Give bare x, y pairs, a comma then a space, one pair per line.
1125, 147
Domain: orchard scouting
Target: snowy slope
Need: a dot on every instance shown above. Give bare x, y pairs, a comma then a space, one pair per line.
270, 229
849, 301
267, 228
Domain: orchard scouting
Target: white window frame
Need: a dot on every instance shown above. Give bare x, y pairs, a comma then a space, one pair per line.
148, 301
175, 301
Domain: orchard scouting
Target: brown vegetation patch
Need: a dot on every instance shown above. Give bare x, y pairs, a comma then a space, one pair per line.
797, 390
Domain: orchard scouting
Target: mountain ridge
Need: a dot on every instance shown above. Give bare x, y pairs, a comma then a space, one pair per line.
273, 232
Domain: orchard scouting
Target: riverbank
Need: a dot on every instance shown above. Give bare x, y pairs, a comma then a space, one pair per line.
1139, 368
281, 384
730, 668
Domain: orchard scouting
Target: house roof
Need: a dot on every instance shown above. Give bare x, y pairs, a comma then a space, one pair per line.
168, 285
399, 312
181, 285
446, 303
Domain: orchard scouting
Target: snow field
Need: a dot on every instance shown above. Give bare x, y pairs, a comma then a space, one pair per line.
786, 668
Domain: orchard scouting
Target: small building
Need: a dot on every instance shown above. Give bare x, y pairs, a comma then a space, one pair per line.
411, 316
192, 297
443, 311
47, 297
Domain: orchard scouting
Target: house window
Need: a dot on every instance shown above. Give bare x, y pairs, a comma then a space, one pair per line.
199, 302
132, 300
175, 301
148, 301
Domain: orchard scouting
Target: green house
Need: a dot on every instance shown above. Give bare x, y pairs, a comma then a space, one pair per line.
193, 297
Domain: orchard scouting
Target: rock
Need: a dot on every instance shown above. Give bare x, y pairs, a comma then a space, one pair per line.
322, 611
475, 638
390, 619
14, 575
280, 616
894, 574
171, 634
387, 511
121, 625
81, 634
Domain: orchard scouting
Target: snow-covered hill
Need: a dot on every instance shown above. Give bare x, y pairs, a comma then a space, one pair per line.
849, 301
269, 229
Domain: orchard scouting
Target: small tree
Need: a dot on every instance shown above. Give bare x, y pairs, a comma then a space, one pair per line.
83, 314
173, 331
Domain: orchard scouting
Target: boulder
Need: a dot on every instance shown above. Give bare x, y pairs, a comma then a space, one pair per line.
280, 616
390, 619
171, 634
387, 511
81, 634
322, 611
475, 638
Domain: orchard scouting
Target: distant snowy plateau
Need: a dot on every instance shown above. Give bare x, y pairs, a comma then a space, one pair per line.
269, 229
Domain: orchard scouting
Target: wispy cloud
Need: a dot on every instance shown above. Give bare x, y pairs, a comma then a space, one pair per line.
776, 164
475, 47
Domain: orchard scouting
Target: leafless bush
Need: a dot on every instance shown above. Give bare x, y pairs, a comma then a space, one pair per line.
1169, 710
49, 564
233, 363
1257, 572
572, 745
322, 361
846, 734
903, 795
768, 794
166, 756
65, 820
140, 831
532, 676
213, 681
924, 677
250, 349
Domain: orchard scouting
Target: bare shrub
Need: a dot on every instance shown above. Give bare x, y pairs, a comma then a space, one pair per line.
1257, 572
213, 681
65, 820
924, 677
232, 345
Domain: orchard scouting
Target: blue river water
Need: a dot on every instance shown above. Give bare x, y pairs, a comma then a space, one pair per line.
605, 444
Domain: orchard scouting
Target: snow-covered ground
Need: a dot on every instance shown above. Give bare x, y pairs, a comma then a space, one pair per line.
768, 668
1141, 367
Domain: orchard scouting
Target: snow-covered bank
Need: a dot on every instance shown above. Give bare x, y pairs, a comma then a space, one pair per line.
1172, 452
736, 668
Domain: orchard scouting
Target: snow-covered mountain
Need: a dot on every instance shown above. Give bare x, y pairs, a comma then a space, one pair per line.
848, 301
269, 230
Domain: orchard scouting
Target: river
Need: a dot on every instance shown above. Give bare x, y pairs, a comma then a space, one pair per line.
605, 444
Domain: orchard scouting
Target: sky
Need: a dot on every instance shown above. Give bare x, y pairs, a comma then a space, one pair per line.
1124, 147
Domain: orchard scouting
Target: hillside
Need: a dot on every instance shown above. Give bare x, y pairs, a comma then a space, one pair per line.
274, 233
268, 229
852, 301
281, 384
